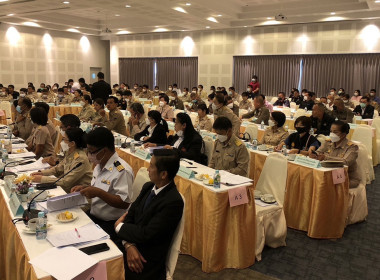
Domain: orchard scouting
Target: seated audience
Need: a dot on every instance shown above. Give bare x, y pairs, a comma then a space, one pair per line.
147, 229
235, 96
100, 113
320, 120
245, 103
282, 100
50, 126
210, 99
221, 110
301, 142
231, 104
46, 96
260, 113
195, 100
115, 121
23, 125
145, 92
276, 134
347, 102
123, 103
373, 97
164, 109
72, 145
341, 112
176, 102
229, 152
341, 149
203, 122
155, 131
308, 103
296, 97
136, 122
77, 96
357, 96
365, 110
88, 112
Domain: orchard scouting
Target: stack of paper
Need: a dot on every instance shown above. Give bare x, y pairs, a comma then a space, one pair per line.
65, 201
63, 263
88, 233
227, 178
22, 155
38, 165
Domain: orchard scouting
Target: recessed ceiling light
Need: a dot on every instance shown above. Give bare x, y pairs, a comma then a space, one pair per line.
73, 30
4, 0
30, 23
332, 13
123, 32
179, 9
269, 18
66, 2
244, 26
212, 19
219, 15
117, 15
9, 15
377, 1
160, 30
207, 27
188, 4
128, 6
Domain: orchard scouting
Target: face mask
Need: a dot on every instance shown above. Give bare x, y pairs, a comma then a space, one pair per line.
60, 95
62, 133
362, 105
214, 107
18, 109
253, 80
64, 146
194, 101
171, 98
162, 103
180, 133
271, 123
92, 158
334, 137
22, 94
231, 105
156, 90
135, 87
147, 121
44, 96
194, 91
301, 129
3, 94
230, 93
345, 101
331, 93
372, 94
38, 94
170, 88
249, 89
328, 101
82, 103
356, 94
340, 92
144, 90
222, 138
199, 89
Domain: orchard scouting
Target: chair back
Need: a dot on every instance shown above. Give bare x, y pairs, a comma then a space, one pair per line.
376, 125
209, 147
146, 108
375, 114
142, 177
321, 138
362, 162
172, 257
6, 107
242, 112
252, 129
299, 113
293, 105
273, 100
56, 140
274, 184
286, 111
363, 134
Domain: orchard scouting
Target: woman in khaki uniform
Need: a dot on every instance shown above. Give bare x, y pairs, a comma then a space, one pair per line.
99, 116
203, 122
72, 144
40, 142
88, 112
276, 134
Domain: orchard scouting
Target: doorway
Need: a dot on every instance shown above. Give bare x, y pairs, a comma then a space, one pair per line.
93, 72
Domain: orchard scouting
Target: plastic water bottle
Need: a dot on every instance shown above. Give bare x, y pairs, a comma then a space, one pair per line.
262, 124
41, 227
311, 132
254, 144
4, 156
30, 196
217, 179
284, 150
9, 132
133, 147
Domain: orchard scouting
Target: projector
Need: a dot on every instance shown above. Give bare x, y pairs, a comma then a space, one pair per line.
280, 17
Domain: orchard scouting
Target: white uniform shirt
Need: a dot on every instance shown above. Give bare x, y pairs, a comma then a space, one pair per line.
115, 182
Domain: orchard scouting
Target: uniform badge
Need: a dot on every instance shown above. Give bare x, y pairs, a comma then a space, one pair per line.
76, 155
118, 166
238, 142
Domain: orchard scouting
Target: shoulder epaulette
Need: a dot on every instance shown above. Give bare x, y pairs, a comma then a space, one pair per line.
118, 166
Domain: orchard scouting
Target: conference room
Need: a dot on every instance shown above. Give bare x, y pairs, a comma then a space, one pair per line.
189, 139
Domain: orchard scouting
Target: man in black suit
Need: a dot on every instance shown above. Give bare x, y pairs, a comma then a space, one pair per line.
148, 227
308, 103
83, 84
101, 89
364, 109
320, 120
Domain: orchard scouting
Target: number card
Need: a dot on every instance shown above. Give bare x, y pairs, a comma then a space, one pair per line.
338, 176
238, 196
15, 205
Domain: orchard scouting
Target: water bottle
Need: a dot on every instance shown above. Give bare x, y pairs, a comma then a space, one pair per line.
9, 132
262, 124
133, 147
311, 132
284, 150
41, 227
32, 204
4, 155
254, 144
286, 127
217, 179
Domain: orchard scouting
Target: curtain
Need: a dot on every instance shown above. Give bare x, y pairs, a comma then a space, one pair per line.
275, 73
136, 70
349, 71
182, 71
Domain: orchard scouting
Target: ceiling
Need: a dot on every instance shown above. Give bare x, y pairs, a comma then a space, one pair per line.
145, 16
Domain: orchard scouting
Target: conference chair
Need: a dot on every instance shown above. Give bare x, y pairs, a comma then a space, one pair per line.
209, 147
363, 134
172, 257
6, 107
293, 105
252, 129
375, 114
273, 100
357, 197
286, 111
271, 227
376, 125
299, 113
142, 177
242, 112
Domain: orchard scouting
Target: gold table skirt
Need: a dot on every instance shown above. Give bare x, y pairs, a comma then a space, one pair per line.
63, 110
216, 234
312, 202
14, 260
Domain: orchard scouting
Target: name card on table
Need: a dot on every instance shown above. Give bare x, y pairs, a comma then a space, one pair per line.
309, 162
238, 196
15, 205
7, 189
338, 176
143, 99
185, 172
142, 154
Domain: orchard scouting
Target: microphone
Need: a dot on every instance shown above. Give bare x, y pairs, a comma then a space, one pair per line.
6, 173
33, 213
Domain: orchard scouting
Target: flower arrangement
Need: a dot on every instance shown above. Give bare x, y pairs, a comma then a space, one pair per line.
23, 183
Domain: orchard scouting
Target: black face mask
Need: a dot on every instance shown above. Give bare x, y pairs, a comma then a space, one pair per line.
335, 108
301, 129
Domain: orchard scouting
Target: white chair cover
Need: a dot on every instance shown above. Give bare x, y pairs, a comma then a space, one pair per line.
172, 257
176, 111
299, 113
376, 125
6, 107
357, 197
193, 117
146, 108
356, 103
273, 100
242, 112
375, 114
293, 105
252, 129
363, 134
271, 227
209, 147
286, 111
321, 138
58, 129
142, 177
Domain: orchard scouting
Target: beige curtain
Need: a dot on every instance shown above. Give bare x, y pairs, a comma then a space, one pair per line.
136, 70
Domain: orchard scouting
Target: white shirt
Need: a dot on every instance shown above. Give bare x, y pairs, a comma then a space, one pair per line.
115, 182
178, 142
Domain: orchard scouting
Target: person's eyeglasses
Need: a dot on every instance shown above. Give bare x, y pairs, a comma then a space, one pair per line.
94, 152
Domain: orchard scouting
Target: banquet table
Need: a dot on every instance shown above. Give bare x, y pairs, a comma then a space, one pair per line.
63, 110
312, 202
17, 247
216, 234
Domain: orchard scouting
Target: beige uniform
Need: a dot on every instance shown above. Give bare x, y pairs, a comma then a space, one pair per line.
146, 95
67, 99
227, 112
346, 115
32, 96
24, 127
349, 105
166, 112
76, 99
245, 105
7, 97
261, 114
98, 118
116, 122
237, 98
41, 135
203, 94
50, 98
134, 129
87, 113
273, 137
204, 123
80, 176
231, 156
53, 132
185, 97
346, 151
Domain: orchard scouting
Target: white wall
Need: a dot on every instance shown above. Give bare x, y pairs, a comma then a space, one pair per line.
215, 49
31, 61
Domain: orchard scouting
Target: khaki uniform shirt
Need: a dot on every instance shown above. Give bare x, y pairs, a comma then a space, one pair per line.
67, 99
231, 156
50, 98
79, 176
24, 127
347, 152
41, 135
346, 115
237, 98
227, 112
166, 112
185, 97
274, 137
87, 113
116, 122
135, 92
204, 124
99, 118
53, 132
245, 105
146, 95
7, 97
203, 94
177, 103
32, 96
76, 99
134, 129
261, 114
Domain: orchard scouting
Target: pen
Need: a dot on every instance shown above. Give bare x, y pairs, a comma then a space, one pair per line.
77, 232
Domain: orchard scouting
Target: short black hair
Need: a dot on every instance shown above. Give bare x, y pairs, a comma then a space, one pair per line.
165, 97
31, 86
245, 94
334, 89
203, 107
128, 93
99, 101
304, 90
137, 107
39, 116
343, 126
11, 86
61, 89
79, 91
167, 160
101, 75
220, 98
232, 88
306, 121
365, 97
43, 105
101, 137
70, 120
27, 102
211, 96
311, 93
374, 90
88, 98
145, 86
212, 87
358, 90
77, 135
114, 99
70, 81
222, 123
81, 80
175, 85
154, 114
346, 95
279, 117
201, 86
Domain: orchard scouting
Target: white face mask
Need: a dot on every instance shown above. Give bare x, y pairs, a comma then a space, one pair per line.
222, 138
82, 103
171, 98
271, 123
331, 93
180, 133
248, 89
231, 105
22, 94
334, 138
64, 146
156, 90
356, 94
194, 91
372, 94
170, 88
144, 90
62, 133
328, 101
230, 93
253, 80
162, 103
